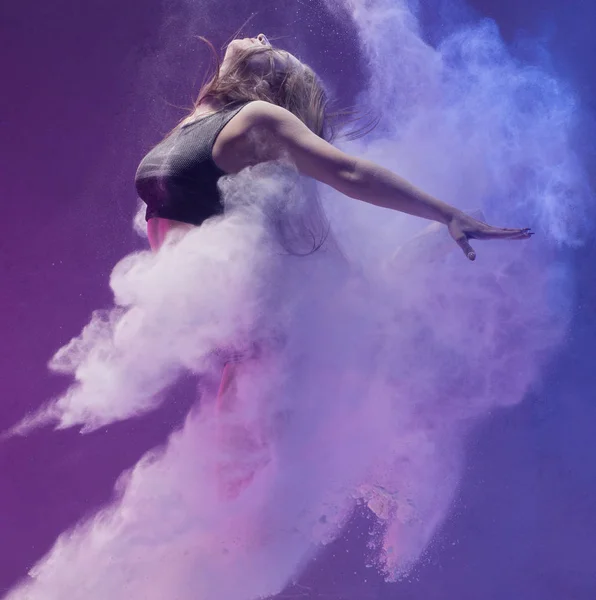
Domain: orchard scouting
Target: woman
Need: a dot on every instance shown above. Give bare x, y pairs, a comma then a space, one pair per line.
264, 104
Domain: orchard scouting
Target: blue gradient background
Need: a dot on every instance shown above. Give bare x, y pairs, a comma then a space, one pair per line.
75, 120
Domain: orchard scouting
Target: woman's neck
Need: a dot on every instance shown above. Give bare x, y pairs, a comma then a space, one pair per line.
205, 107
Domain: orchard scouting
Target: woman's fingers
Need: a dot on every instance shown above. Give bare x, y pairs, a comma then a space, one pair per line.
465, 246
461, 239
487, 233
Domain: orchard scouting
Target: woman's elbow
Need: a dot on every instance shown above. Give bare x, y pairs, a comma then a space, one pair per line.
353, 179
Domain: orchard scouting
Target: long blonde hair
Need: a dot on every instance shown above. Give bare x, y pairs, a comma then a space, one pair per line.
273, 75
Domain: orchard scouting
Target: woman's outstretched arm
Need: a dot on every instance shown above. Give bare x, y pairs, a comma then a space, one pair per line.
359, 178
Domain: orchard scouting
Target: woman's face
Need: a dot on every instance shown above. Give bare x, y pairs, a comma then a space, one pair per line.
239, 45
283, 59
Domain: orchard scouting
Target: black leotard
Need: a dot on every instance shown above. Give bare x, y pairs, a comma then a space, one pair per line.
178, 178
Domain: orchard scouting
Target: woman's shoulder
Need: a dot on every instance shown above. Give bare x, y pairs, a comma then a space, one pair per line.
260, 113
251, 136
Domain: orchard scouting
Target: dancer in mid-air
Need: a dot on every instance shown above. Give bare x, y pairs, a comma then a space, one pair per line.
264, 104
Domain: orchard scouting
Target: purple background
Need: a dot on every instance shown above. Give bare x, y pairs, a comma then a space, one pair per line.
74, 121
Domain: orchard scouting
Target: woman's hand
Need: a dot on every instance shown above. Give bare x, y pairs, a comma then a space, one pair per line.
462, 228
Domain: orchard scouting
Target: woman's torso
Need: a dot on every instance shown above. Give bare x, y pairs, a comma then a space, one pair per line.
178, 178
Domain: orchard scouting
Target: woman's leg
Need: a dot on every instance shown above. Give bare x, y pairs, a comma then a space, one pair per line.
242, 446
241, 449
227, 388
